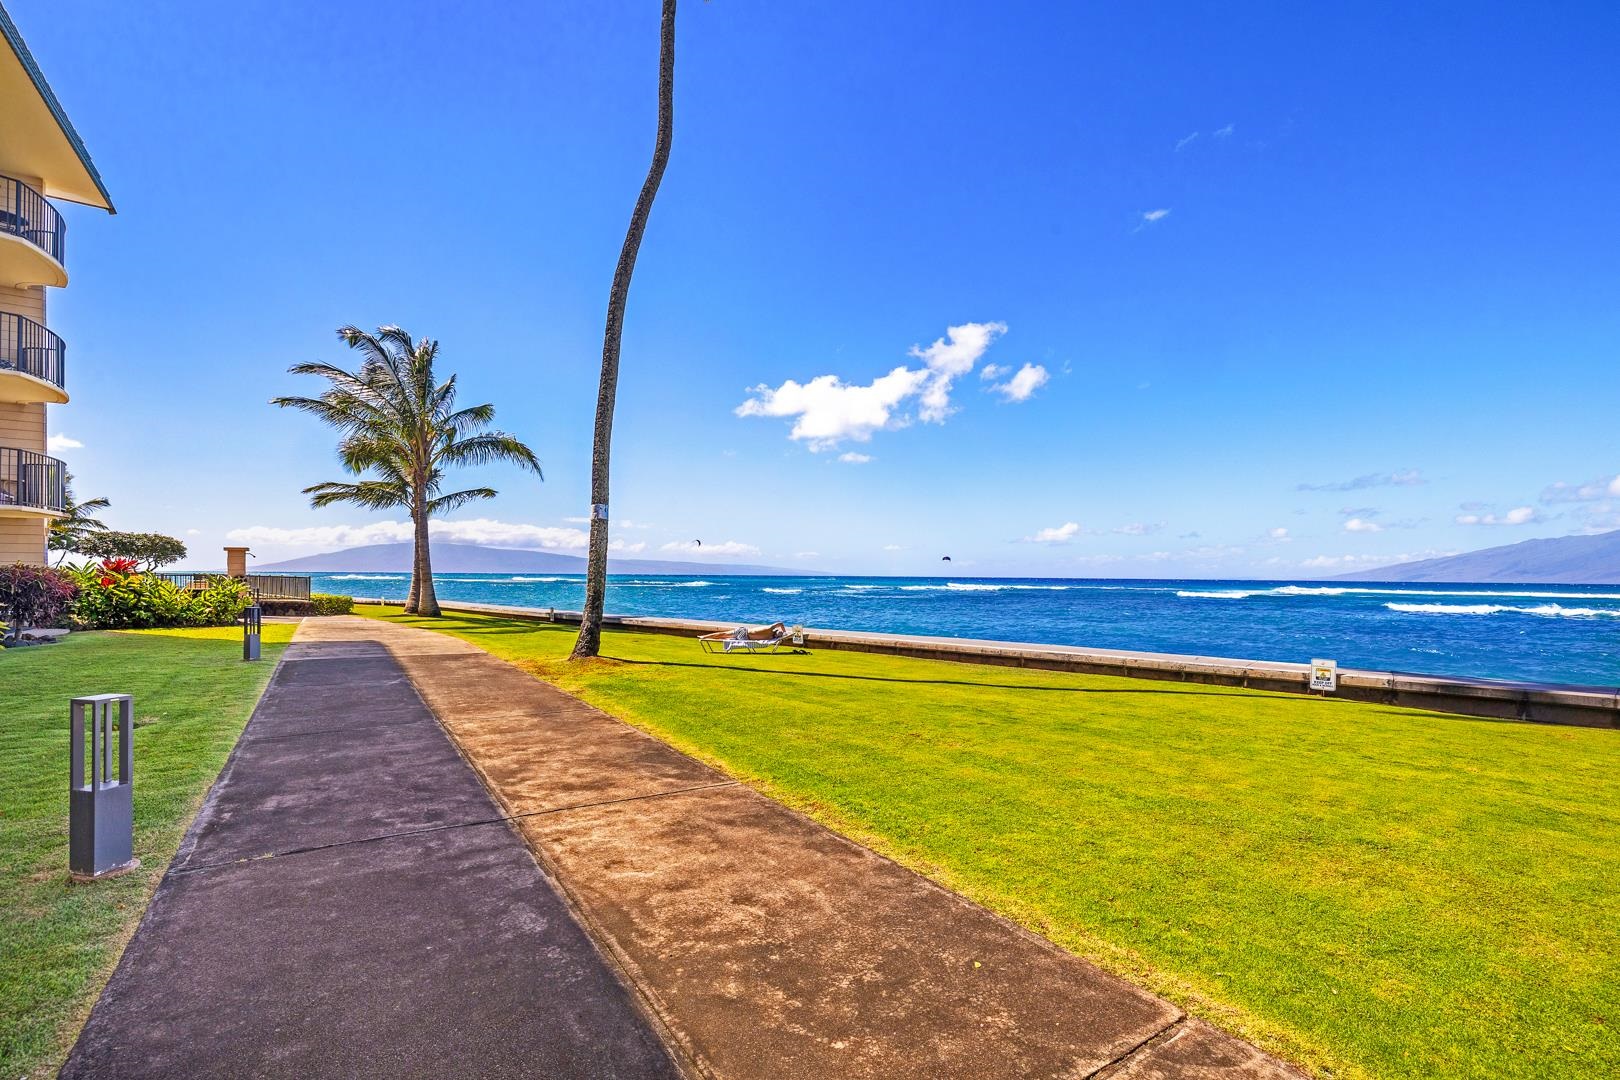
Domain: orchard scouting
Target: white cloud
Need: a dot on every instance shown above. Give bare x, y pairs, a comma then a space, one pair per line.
807, 554
193, 532
1361, 525
1030, 378
1363, 562
628, 549
1140, 528
485, 531
827, 410
1399, 478
728, 547
57, 443
893, 547
1150, 216
1279, 533
1059, 534
850, 457
1182, 144
993, 371
1223, 132
1561, 492
1519, 515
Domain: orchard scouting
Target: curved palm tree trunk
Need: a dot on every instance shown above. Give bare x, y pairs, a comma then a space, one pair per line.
416, 569
590, 625
427, 601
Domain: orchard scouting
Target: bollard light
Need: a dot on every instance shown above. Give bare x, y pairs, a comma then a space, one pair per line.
101, 810
252, 623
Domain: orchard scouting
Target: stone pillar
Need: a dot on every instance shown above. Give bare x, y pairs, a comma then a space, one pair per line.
236, 562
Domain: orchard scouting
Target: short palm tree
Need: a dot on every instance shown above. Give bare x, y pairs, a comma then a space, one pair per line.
401, 425
77, 521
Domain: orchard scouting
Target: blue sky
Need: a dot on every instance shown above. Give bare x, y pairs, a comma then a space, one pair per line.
1267, 292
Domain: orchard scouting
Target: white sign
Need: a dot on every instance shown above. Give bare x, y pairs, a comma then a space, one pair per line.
599, 511
1325, 675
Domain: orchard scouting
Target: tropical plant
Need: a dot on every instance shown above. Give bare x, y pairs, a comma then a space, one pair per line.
589, 641
77, 522
149, 550
401, 425
112, 595
34, 595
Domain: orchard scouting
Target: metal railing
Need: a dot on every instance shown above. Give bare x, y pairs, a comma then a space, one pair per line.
28, 347
264, 586
32, 480
26, 213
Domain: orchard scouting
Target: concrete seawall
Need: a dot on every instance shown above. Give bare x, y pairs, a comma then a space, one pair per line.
1534, 702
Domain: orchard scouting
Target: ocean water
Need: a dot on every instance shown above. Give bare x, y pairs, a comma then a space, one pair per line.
1540, 633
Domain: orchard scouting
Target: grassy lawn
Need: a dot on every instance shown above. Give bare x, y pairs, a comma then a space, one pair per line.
59, 941
1369, 891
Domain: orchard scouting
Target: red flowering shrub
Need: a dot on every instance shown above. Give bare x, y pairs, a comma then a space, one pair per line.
34, 595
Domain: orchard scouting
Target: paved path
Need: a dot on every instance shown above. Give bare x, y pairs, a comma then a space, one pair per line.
351, 903
768, 946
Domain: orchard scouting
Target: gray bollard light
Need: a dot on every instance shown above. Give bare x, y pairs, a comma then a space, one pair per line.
101, 813
252, 623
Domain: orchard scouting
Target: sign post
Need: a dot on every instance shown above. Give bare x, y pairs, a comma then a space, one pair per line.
1325, 675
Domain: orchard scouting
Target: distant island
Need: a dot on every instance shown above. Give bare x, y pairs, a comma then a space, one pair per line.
477, 559
1564, 560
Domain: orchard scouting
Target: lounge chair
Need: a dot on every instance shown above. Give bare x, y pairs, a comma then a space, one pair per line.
742, 639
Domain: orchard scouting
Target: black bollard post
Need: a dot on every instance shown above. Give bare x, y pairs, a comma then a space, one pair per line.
252, 623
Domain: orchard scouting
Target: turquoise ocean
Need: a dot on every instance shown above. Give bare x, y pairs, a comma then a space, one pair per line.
1540, 633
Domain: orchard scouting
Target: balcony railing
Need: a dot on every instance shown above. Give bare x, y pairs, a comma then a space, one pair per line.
26, 213
28, 347
264, 586
31, 481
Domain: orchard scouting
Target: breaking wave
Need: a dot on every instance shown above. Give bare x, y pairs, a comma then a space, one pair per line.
1549, 611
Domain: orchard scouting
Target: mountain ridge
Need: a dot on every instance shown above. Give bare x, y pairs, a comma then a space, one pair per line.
1563, 560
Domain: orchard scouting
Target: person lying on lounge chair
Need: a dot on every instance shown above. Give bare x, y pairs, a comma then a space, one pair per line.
767, 639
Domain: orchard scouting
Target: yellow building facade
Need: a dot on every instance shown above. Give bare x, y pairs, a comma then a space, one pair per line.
41, 159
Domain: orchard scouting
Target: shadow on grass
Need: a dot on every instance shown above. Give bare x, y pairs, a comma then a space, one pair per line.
1234, 693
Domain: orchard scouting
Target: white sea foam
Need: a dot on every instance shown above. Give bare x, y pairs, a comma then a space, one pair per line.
368, 577
1225, 594
783, 592
1549, 611
660, 584
533, 580
979, 586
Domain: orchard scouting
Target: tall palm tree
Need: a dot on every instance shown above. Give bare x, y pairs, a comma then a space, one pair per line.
590, 623
401, 425
77, 521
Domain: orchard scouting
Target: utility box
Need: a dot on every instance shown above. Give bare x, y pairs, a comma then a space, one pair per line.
101, 811
252, 624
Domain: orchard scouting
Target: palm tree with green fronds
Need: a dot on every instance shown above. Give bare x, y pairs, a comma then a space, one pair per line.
401, 432
78, 521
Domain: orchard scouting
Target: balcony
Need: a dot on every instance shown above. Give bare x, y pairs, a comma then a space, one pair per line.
31, 362
31, 485
31, 237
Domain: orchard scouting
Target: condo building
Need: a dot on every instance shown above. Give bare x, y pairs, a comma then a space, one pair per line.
41, 159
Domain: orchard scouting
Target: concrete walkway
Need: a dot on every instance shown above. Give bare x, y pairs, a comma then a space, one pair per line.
768, 946
351, 903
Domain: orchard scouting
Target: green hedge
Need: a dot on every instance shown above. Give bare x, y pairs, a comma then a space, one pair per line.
331, 604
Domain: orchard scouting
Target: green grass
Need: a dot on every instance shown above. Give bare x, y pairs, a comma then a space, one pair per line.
1369, 891
59, 941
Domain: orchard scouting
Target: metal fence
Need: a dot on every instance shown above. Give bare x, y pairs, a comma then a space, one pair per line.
32, 480
26, 213
28, 347
264, 586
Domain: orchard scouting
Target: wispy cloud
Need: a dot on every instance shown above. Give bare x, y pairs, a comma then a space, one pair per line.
487, 531
723, 548
1361, 525
826, 410
1140, 528
1223, 132
58, 443
893, 547
1561, 492
850, 457
1151, 216
1057, 534
1399, 478
1024, 383
1183, 143
1367, 562
1279, 533
1519, 515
